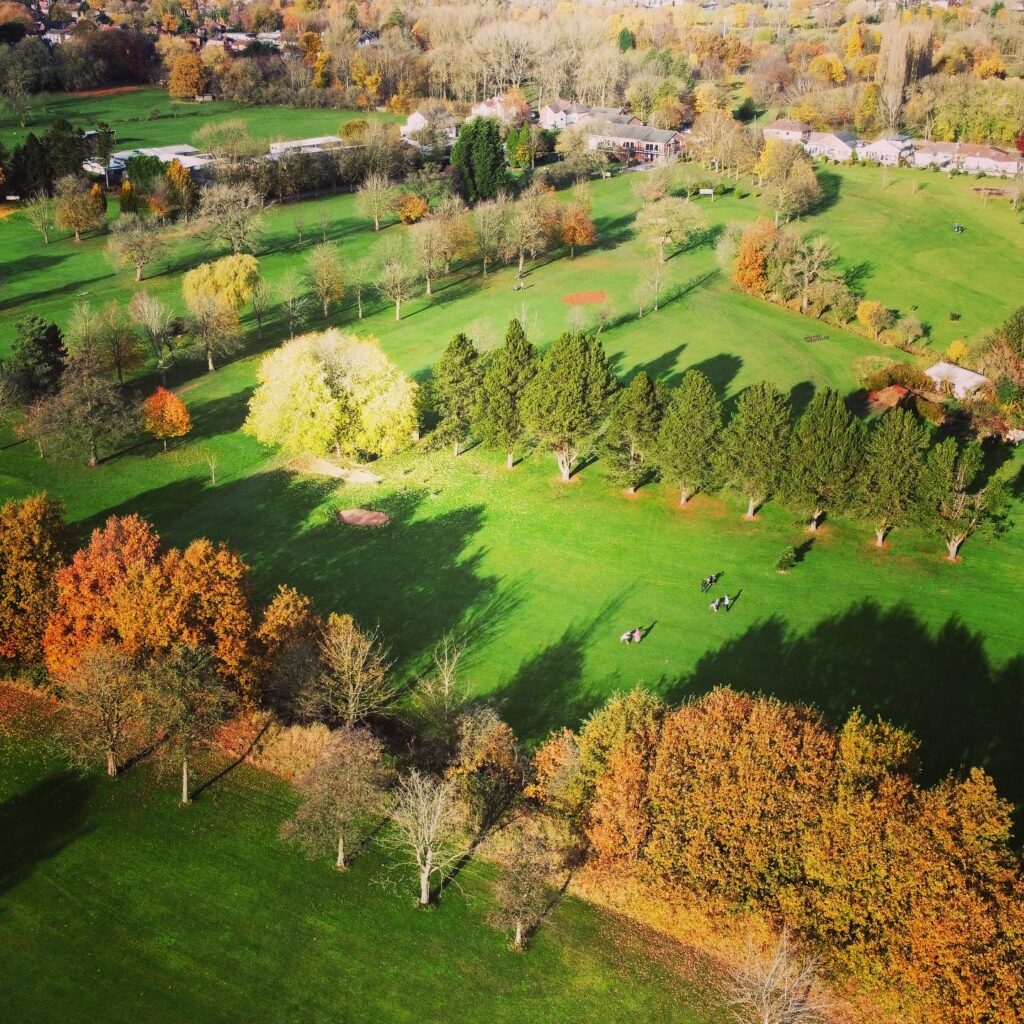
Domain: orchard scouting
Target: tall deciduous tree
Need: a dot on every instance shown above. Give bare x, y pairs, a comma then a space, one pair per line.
788, 178
530, 225
828, 449
499, 417
377, 198
523, 890
232, 213
214, 327
165, 415
326, 279
576, 224
670, 222
456, 389
78, 209
568, 398
343, 793
756, 444
87, 414
428, 827
396, 279
34, 545
136, 243
690, 436
354, 681
104, 702
106, 334
157, 324
430, 251
190, 704
631, 434
489, 220
890, 483
41, 213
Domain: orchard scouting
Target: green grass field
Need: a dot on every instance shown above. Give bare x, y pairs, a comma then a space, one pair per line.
117, 905
540, 577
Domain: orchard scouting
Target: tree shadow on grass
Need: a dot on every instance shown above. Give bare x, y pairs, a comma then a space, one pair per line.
830, 186
886, 661
721, 370
417, 578
548, 688
800, 396
40, 822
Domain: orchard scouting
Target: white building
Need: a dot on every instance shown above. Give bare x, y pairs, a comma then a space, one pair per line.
496, 107
989, 159
635, 142
838, 146
934, 154
962, 382
317, 144
887, 151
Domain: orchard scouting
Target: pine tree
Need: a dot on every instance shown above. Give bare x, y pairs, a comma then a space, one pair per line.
499, 419
827, 455
456, 387
755, 445
690, 436
479, 158
891, 481
630, 439
567, 400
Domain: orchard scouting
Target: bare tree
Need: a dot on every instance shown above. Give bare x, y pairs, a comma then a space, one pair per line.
103, 702
377, 198
430, 251
135, 242
260, 301
437, 703
529, 226
323, 269
523, 890
489, 220
233, 213
295, 300
157, 324
395, 277
428, 827
360, 277
780, 988
344, 790
41, 212
353, 682
214, 327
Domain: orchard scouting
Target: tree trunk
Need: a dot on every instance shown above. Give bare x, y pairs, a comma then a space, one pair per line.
510, 460
398, 309
340, 862
165, 443
564, 466
94, 455
138, 273
684, 496
184, 781
953, 547
425, 880
376, 222
111, 763
78, 235
522, 260
519, 934
880, 537
751, 508
209, 360
572, 252
815, 519
359, 303
457, 448
429, 291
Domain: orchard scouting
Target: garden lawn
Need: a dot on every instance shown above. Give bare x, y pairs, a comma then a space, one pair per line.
118, 905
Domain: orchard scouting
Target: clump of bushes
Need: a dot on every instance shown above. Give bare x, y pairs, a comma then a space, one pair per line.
894, 372
786, 560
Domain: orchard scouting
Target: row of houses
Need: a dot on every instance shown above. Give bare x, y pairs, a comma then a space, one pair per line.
895, 150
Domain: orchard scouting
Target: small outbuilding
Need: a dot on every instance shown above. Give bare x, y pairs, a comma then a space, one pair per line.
962, 382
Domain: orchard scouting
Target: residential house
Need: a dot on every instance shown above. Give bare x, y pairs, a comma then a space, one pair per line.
439, 124
934, 154
838, 146
498, 107
640, 143
561, 114
887, 151
961, 382
786, 129
989, 159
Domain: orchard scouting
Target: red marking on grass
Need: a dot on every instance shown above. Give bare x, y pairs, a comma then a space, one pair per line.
583, 298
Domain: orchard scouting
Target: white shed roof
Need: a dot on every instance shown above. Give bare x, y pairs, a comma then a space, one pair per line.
963, 381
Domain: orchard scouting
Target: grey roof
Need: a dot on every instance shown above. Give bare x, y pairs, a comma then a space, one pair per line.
638, 133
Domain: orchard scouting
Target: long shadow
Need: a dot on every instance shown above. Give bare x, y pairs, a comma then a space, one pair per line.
800, 396
721, 370
40, 822
886, 661
665, 367
830, 186
549, 686
417, 578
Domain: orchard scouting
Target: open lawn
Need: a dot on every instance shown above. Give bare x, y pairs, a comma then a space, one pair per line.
129, 111
116, 905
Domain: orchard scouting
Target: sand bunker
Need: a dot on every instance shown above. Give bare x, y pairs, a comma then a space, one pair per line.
361, 517
584, 298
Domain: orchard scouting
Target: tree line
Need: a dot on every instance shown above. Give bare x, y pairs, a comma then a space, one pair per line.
828, 462
728, 802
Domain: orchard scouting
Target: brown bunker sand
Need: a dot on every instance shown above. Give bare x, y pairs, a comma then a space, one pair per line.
584, 298
361, 517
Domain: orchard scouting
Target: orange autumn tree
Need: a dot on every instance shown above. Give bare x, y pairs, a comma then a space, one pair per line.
34, 546
125, 591
577, 226
165, 415
750, 270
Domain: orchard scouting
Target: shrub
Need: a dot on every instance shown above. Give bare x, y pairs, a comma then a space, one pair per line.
895, 372
412, 209
933, 412
786, 560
